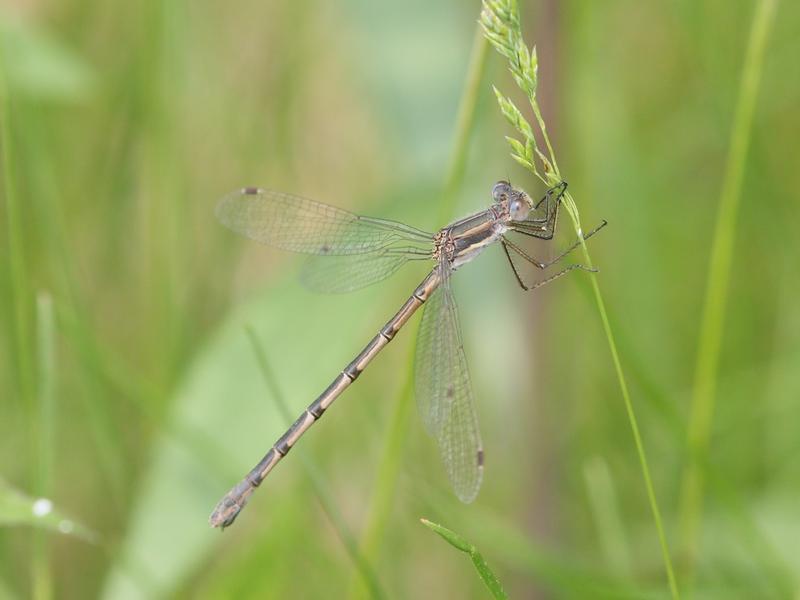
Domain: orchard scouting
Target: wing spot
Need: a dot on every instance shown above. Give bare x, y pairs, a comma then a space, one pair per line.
480, 458
250, 191
325, 249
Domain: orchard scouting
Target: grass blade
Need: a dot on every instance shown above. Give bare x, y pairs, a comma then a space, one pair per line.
605, 508
637, 438
17, 508
713, 320
487, 576
17, 269
42, 582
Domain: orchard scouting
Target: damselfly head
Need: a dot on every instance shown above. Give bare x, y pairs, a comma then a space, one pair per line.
516, 203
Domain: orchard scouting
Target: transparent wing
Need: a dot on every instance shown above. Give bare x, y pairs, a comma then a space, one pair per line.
301, 225
430, 362
444, 393
349, 272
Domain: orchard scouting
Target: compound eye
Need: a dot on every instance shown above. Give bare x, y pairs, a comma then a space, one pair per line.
519, 208
500, 190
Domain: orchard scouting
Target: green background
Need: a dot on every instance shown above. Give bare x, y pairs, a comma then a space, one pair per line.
141, 402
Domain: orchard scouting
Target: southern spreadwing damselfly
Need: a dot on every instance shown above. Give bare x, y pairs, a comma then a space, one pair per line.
349, 252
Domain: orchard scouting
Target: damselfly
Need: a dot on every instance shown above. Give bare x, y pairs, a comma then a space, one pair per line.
351, 251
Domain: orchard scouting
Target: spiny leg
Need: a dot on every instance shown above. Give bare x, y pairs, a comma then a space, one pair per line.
537, 284
564, 271
544, 265
513, 266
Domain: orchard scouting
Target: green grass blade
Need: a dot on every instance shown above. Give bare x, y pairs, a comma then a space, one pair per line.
456, 541
17, 508
17, 269
720, 261
637, 438
42, 581
605, 508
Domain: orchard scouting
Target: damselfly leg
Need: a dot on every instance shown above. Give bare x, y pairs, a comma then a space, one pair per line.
510, 247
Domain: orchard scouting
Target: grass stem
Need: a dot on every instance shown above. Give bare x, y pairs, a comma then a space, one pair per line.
42, 581
631, 414
17, 272
501, 24
637, 438
606, 510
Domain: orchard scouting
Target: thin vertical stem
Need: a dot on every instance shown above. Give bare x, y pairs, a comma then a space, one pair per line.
42, 582
720, 261
18, 273
632, 420
637, 438
605, 507
569, 202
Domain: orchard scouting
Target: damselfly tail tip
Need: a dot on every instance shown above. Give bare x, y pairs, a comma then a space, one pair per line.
227, 509
223, 517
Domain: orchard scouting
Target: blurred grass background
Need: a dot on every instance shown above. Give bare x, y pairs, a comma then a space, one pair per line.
131, 396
